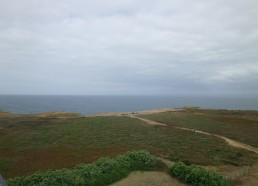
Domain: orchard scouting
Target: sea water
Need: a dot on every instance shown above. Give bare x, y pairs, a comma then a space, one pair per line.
98, 104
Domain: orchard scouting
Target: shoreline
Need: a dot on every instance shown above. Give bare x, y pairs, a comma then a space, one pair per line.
63, 114
74, 114
145, 112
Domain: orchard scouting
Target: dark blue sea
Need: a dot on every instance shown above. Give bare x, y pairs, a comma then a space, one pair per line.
100, 104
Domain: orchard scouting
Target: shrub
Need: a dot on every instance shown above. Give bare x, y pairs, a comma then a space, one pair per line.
197, 175
102, 172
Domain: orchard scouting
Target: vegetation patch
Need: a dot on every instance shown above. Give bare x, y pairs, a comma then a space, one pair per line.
238, 125
102, 172
32, 143
196, 175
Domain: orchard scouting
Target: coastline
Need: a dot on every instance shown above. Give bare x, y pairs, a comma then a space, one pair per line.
73, 114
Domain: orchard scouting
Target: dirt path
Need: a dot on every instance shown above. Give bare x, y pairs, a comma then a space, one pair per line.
229, 141
150, 122
149, 178
251, 178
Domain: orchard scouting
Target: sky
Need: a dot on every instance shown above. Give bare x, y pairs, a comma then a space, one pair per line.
129, 47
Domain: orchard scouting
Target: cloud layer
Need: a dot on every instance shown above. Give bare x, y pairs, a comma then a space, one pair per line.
129, 47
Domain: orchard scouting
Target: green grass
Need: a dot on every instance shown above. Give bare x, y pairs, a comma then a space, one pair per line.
238, 125
32, 143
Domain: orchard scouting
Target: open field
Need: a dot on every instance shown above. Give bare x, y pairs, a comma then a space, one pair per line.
39, 142
237, 125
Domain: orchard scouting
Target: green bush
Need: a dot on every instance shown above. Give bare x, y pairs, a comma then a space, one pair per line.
197, 175
102, 172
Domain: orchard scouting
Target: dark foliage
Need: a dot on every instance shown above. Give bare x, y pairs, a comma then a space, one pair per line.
102, 172
196, 175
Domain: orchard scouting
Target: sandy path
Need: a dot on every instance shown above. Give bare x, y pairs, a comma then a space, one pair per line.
229, 141
150, 122
151, 178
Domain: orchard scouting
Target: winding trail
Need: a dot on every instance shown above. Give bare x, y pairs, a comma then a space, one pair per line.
229, 141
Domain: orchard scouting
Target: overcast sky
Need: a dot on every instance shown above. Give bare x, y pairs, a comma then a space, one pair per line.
134, 47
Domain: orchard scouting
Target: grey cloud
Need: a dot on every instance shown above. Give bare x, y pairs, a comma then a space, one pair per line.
128, 47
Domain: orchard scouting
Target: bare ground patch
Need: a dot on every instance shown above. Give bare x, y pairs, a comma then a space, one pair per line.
152, 178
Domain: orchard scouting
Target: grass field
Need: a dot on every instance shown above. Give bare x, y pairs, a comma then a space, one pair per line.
30, 143
237, 125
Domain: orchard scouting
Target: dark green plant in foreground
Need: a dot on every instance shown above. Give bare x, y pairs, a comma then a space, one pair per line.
102, 172
196, 175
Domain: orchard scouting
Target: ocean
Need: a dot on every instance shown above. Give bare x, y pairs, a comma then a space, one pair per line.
98, 104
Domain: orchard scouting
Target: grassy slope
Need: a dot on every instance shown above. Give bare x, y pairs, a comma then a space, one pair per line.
238, 125
30, 143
